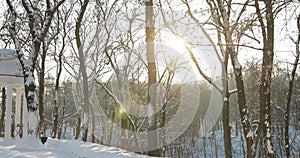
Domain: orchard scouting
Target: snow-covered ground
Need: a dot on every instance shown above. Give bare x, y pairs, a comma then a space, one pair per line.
31, 147
210, 147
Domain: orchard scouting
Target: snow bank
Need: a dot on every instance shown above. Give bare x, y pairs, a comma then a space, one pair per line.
31, 147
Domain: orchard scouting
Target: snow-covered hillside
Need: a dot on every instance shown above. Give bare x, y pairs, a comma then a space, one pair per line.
31, 147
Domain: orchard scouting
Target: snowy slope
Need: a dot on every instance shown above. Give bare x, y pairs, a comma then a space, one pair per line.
53, 148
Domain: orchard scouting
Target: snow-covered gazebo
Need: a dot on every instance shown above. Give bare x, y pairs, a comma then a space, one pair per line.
11, 77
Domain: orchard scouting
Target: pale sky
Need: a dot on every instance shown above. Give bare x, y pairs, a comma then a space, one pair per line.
284, 48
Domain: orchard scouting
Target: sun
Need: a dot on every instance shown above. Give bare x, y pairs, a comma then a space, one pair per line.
176, 43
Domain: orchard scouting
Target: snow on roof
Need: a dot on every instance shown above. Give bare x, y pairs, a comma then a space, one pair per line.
9, 63
10, 67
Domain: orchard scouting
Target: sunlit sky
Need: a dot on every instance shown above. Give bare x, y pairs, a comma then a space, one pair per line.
284, 47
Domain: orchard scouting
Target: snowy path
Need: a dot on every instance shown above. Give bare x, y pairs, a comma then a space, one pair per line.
32, 148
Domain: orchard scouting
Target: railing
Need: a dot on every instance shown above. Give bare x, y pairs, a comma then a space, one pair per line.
17, 131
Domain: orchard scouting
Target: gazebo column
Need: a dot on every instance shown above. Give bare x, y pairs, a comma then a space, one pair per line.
8, 111
18, 109
25, 116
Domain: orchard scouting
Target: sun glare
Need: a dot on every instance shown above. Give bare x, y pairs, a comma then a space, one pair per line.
176, 43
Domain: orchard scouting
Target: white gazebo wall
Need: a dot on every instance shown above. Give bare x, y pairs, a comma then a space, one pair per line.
11, 77
20, 110
8, 104
18, 107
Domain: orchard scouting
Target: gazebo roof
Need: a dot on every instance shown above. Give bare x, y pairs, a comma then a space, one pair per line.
10, 67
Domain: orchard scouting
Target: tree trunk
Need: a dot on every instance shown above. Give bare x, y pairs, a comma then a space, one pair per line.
57, 91
55, 121
32, 105
41, 91
93, 124
86, 103
265, 82
227, 128
150, 36
59, 133
77, 133
243, 108
124, 125
85, 128
226, 108
226, 95
111, 127
290, 93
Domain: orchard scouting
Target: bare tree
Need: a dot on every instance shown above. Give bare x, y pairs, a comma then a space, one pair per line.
38, 26
267, 30
227, 27
62, 29
234, 29
150, 36
86, 103
42, 88
290, 93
